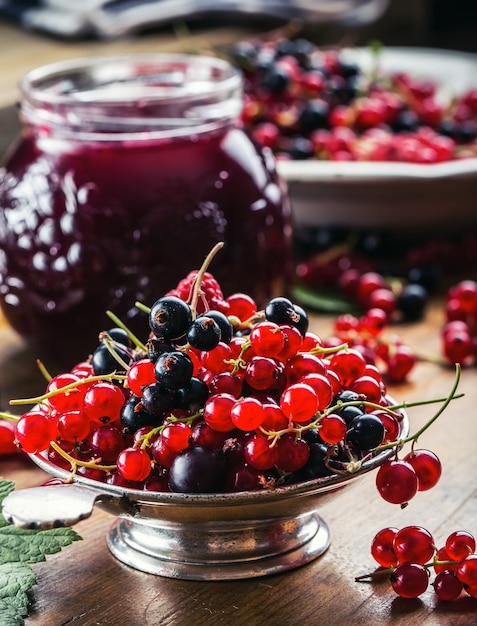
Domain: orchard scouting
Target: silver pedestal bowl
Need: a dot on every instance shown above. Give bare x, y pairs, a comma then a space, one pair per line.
194, 536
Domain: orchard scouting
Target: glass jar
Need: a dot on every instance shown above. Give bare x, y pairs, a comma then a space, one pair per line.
127, 172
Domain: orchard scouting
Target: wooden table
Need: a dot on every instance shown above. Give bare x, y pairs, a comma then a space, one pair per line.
86, 586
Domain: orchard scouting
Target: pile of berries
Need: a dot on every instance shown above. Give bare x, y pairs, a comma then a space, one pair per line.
218, 399
459, 335
222, 399
409, 555
364, 286
304, 103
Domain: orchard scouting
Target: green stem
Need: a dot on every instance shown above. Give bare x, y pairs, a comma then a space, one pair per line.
46, 374
142, 307
418, 433
76, 462
200, 274
137, 342
66, 388
8, 416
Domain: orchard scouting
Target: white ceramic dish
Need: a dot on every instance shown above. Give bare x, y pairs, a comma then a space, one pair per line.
392, 195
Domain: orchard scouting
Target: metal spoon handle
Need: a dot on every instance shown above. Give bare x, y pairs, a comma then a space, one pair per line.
51, 506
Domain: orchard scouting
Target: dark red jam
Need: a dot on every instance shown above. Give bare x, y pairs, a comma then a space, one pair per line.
114, 194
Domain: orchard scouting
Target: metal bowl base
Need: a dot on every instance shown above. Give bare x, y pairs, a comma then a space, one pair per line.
219, 550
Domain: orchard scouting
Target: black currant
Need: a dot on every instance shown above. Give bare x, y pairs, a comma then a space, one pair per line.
282, 311
106, 360
157, 346
157, 400
170, 317
204, 333
300, 149
314, 115
226, 328
119, 335
192, 397
315, 467
349, 413
198, 470
366, 432
174, 369
134, 417
412, 302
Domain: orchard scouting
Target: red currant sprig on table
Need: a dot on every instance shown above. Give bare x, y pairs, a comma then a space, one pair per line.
459, 335
409, 556
399, 480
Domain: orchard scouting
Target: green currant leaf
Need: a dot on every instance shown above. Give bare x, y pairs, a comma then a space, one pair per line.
324, 301
18, 548
15, 581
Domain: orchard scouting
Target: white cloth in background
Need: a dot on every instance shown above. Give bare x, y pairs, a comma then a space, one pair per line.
116, 18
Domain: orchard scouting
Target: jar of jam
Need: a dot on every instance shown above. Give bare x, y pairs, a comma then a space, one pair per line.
127, 172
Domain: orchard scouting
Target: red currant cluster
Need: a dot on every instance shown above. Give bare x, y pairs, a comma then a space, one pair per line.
399, 480
303, 103
363, 286
409, 555
459, 334
383, 352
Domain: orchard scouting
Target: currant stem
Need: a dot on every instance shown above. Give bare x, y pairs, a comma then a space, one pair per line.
114, 318
76, 462
66, 388
110, 345
200, 274
445, 403
380, 573
9, 417
142, 307
43, 370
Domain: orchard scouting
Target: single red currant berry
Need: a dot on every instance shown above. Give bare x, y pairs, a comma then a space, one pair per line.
400, 362
397, 482
139, 375
332, 428
382, 547
410, 580
460, 544
247, 413
134, 464
274, 418
241, 306
349, 364
267, 339
447, 586
442, 561
427, 467
177, 436
73, 425
466, 571
299, 402
68, 400
34, 431
7, 438
414, 543
103, 402
259, 453
323, 388
217, 412
292, 453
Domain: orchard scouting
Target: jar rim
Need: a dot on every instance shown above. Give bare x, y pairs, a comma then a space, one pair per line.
157, 92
